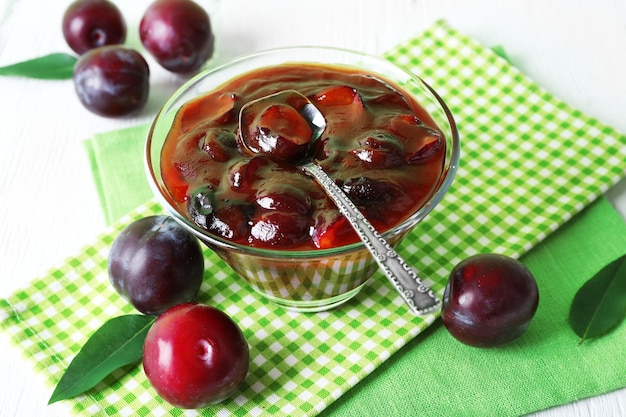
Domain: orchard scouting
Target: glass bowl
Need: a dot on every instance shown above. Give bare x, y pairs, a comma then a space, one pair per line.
311, 280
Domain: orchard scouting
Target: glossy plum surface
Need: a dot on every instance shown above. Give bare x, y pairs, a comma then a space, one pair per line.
88, 24
155, 264
178, 34
195, 355
112, 81
489, 300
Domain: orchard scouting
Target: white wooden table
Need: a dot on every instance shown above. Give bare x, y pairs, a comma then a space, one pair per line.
48, 204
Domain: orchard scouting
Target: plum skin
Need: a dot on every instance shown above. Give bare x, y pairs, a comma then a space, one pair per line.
88, 24
178, 34
112, 80
195, 355
155, 264
489, 300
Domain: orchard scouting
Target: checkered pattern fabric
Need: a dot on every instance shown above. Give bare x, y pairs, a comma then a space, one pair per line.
529, 163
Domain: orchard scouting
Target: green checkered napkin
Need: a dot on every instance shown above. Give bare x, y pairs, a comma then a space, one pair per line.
529, 163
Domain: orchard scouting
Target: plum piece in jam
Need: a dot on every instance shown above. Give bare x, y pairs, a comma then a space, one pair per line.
219, 144
279, 229
201, 206
364, 190
332, 232
244, 173
275, 126
282, 197
226, 219
217, 110
428, 142
379, 150
341, 95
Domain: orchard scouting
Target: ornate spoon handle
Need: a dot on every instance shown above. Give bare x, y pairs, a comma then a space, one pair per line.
417, 295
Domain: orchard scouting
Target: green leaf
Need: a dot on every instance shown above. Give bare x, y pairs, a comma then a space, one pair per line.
500, 51
57, 66
600, 304
117, 343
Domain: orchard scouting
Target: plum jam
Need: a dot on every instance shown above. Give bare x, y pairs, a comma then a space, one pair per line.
379, 145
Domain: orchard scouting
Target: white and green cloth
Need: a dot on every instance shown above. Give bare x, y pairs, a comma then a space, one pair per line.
529, 164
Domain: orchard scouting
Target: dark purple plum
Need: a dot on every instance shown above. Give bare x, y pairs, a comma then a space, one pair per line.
112, 81
88, 24
178, 34
155, 264
489, 300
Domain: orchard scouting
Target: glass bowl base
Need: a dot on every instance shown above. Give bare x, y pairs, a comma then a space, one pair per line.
312, 306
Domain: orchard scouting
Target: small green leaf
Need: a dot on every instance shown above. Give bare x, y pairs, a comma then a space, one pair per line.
600, 304
500, 51
57, 66
117, 343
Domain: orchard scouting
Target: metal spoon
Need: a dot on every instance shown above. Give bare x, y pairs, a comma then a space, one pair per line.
418, 296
